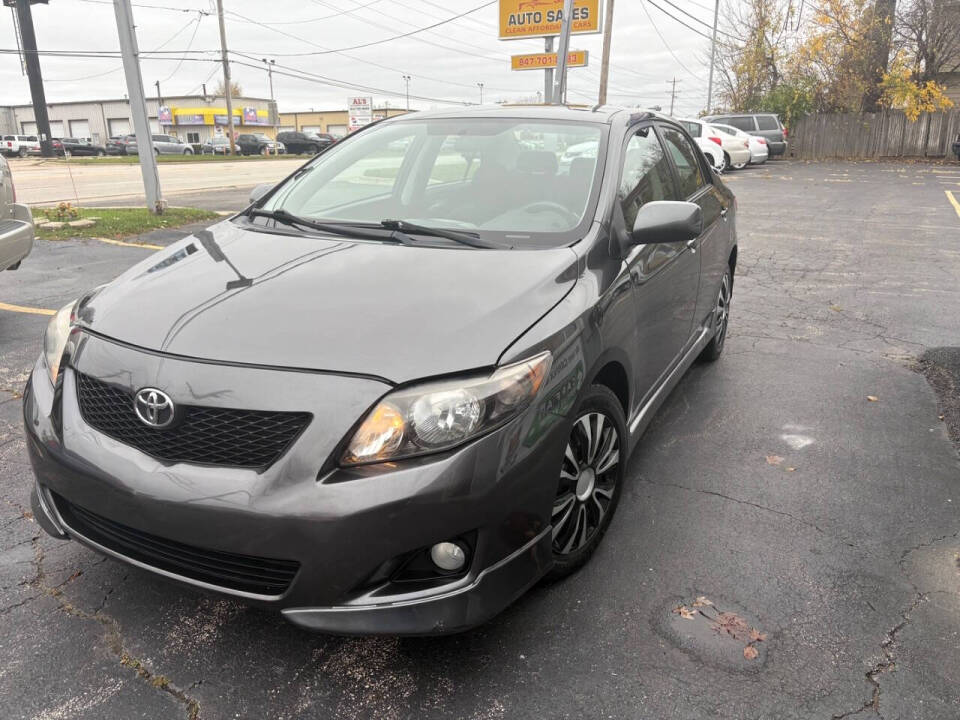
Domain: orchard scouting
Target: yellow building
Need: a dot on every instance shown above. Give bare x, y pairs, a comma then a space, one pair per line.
332, 122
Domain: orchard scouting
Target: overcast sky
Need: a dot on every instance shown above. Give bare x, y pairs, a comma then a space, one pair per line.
445, 64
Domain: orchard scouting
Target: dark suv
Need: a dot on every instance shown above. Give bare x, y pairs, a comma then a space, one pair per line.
304, 143
766, 125
403, 385
258, 144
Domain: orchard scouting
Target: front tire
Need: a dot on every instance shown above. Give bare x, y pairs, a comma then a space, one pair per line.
721, 319
22, 152
590, 481
188, 151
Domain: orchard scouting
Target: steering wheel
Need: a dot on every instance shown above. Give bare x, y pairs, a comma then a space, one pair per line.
550, 206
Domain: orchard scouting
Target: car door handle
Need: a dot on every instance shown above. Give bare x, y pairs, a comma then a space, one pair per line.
692, 244
723, 213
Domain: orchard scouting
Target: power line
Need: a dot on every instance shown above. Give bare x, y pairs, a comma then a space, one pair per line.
643, 4
151, 7
348, 11
676, 19
189, 45
693, 17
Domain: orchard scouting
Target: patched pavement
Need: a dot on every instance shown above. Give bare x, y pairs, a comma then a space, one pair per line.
805, 485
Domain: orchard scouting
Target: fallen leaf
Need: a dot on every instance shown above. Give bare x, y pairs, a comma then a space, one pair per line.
791, 469
684, 612
774, 459
701, 601
757, 636
732, 624
750, 652
872, 398
836, 308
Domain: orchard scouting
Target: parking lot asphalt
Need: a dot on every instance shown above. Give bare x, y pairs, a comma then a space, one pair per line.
805, 482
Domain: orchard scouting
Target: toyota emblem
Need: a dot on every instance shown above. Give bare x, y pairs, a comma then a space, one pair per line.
153, 407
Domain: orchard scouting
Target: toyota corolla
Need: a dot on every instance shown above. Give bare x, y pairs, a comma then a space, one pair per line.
402, 386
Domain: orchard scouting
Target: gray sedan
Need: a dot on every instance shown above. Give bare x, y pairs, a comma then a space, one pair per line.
402, 386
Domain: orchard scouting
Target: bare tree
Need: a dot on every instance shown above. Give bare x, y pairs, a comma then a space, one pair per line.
928, 32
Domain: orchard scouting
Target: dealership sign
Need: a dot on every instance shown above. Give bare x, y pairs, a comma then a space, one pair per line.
360, 110
545, 61
542, 18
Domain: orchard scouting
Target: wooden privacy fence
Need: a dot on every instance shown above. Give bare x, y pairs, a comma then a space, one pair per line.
874, 135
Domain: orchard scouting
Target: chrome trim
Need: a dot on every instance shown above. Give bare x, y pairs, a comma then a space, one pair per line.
645, 414
372, 607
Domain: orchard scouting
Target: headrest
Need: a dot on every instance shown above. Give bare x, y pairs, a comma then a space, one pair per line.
542, 162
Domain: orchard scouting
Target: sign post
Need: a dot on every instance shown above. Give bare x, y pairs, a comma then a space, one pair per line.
560, 77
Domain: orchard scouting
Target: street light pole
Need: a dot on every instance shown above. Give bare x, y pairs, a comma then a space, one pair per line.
406, 79
713, 52
480, 85
227, 90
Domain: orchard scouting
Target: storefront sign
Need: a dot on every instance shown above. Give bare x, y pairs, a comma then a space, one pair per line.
164, 115
360, 111
540, 18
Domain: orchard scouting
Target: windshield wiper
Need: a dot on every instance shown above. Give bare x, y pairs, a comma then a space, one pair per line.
288, 218
461, 237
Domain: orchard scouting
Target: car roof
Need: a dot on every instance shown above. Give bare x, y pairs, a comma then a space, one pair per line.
600, 114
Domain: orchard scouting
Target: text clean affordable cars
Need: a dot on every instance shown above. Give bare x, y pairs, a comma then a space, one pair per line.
403, 385
759, 151
16, 223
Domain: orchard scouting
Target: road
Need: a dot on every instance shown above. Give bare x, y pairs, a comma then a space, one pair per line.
804, 482
42, 182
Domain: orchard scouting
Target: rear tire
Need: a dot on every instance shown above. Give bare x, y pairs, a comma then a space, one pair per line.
188, 151
590, 480
740, 166
721, 319
22, 152
726, 162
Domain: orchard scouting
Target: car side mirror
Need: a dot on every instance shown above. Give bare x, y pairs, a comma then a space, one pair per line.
259, 191
666, 221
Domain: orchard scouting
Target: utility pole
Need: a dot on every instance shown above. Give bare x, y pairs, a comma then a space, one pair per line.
548, 72
32, 60
159, 104
480, 85
673, 94
273, 102
138, 104
406, 79
560, 78
227, 90
605, 61
713, 53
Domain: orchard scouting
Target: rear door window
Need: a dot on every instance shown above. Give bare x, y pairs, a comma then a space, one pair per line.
767, 122
685, 158
692, 128
743, 123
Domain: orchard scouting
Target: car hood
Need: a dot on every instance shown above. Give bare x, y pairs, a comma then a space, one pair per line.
396, 312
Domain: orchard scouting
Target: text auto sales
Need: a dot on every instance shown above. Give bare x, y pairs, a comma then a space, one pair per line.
538, 17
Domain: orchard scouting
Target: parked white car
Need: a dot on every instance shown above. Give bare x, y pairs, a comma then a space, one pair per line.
16, 223
759, 149
735, 153
21, 145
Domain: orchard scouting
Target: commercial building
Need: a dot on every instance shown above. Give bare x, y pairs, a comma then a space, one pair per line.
192, 118
332, 122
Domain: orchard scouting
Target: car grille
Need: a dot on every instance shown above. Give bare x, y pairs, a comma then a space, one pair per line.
201, 435
245, 573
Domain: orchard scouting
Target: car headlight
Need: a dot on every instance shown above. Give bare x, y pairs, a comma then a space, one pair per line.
55, 338
439, 415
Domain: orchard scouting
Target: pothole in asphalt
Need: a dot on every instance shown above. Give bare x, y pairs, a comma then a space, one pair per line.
717, 632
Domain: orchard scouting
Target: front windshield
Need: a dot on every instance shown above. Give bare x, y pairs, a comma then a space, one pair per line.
500, 178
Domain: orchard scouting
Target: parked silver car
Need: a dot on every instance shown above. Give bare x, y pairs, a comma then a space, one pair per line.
165, 145
16, 223
765, 125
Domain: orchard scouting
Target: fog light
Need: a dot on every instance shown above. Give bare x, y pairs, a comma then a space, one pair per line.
448, 556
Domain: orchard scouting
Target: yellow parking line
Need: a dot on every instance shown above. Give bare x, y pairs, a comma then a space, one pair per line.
953, 201
145, 246
22, 309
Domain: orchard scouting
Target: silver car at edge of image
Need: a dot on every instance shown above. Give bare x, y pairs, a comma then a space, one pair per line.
16, 222
520, 327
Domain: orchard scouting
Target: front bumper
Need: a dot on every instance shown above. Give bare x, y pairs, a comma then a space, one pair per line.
342, 528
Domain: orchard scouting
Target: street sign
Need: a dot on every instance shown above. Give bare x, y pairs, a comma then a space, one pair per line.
542, 18
360, 112
543, 61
